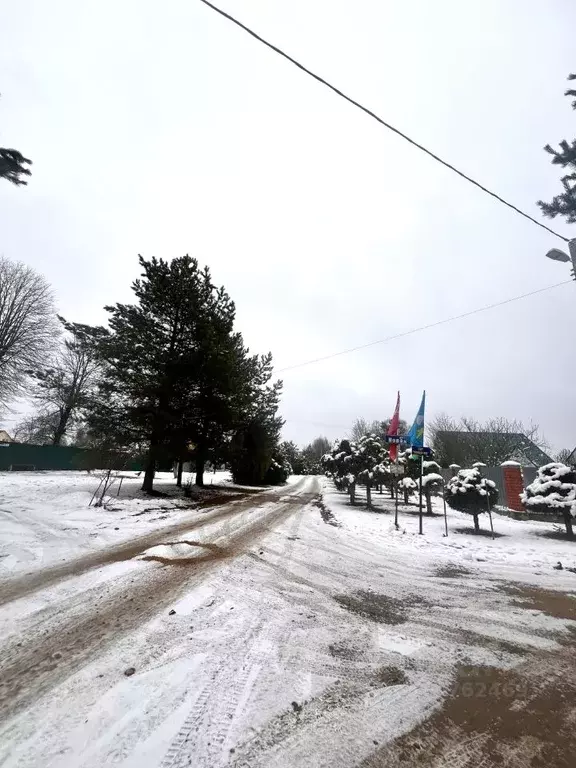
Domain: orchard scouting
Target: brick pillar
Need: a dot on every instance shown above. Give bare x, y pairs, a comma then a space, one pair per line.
513, 485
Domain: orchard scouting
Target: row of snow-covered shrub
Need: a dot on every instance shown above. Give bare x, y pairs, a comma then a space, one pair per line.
367, 463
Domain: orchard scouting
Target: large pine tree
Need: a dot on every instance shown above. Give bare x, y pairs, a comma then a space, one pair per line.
564, 204
154, 356
256, 440
178, 381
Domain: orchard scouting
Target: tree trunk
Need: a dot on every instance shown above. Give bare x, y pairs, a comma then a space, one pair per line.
60, 430
380, 488
368, 494
391, 489
200, 461
568, 523
352, 491
428, 501
150, 466
476, 524
179, 475
405, 495
149, 472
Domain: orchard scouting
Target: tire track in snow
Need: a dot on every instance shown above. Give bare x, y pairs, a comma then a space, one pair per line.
62, 643
204, 736
16, 588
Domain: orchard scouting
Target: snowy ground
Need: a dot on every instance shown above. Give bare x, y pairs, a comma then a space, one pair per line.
45, 517
280, 629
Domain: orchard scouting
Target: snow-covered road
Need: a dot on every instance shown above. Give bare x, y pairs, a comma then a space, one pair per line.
280, 629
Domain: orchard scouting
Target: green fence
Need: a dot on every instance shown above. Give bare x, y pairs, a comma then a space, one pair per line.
21, 456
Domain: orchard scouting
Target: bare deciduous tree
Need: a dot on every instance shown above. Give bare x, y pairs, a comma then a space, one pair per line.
362, 427
36, 429
466, 440
63, 391
28, 325
566, 456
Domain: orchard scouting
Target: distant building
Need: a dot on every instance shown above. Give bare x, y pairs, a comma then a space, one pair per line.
5, 437
492, 448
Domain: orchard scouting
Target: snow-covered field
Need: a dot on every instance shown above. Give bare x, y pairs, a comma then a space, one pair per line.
522, 550
280, 629
45, 517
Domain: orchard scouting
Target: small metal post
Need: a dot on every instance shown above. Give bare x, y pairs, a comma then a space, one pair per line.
444, 500
489, 511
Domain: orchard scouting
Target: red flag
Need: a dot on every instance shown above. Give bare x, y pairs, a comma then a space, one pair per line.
393, 430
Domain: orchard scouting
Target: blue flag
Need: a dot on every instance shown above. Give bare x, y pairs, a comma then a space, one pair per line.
416, 432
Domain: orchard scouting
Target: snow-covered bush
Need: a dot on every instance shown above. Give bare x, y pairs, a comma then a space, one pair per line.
381, 474
367, 453
470, 492
553, 492
339, 465
350, 463
277, 473
408, 487
432, 482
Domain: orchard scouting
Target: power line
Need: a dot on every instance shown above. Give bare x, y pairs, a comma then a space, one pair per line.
380, 120
423, 327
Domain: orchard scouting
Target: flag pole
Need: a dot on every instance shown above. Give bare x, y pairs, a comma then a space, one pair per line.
396, 494
421, 475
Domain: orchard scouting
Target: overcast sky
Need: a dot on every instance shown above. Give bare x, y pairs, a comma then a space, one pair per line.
162, 129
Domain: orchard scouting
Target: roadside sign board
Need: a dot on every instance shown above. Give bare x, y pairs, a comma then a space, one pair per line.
421, 451
396, 469
396, 439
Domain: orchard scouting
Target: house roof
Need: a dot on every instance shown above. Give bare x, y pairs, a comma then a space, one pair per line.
5, 437
516, 444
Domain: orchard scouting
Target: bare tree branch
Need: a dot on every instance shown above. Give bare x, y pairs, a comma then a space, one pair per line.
65, 389
28, 325
498, 439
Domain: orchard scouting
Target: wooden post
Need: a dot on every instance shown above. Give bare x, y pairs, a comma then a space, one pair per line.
96, 491
444, 500
106, 482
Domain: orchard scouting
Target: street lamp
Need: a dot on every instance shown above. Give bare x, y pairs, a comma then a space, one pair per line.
557, 255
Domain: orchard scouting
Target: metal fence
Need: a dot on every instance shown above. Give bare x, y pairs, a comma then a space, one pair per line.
21, 456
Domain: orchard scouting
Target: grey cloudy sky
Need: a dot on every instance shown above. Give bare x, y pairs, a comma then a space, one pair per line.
161, 129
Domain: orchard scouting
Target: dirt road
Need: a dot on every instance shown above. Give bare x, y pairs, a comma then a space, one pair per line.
278, 631
57, 641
